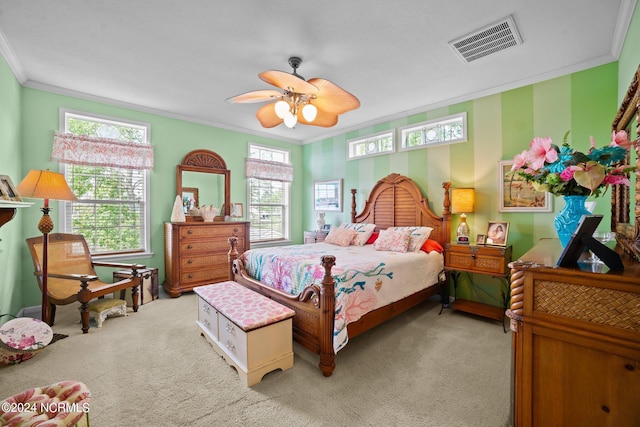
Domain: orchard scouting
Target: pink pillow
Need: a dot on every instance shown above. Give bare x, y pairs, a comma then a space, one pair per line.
393, 240
432, 245
340, 236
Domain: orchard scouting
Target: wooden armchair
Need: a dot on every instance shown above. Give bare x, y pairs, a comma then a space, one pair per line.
71, 275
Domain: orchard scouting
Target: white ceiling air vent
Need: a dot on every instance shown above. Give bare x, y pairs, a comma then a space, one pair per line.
486, 41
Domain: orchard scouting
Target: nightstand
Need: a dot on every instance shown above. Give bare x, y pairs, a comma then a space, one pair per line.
488, 260
314, 236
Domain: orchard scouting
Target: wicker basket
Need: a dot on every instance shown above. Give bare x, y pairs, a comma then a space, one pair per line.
22, 338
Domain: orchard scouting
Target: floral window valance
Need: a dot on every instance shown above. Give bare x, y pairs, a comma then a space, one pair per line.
97, 151
264, 169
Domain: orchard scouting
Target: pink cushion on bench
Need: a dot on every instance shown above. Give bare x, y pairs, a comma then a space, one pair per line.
246, 308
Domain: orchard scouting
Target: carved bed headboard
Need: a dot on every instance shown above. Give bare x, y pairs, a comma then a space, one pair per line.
397, 201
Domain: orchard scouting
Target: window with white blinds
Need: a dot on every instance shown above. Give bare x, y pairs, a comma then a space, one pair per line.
112, 211
268, 179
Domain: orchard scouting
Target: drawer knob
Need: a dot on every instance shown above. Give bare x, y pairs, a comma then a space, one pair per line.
207, 324
189, 247
228, 327
206, 309
190, 261
190, 276
230, 346
629, 367
235, 229
190, 231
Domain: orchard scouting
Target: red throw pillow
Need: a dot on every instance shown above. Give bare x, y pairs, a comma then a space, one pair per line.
432, 245
372, 238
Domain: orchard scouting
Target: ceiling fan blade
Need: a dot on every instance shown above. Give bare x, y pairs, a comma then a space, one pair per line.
287, 81
332, 98
267, 116
255, 96
323, 119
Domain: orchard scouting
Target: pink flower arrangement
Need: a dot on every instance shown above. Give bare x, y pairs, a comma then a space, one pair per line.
568, 172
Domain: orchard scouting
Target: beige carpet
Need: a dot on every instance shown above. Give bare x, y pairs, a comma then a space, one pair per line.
152, 368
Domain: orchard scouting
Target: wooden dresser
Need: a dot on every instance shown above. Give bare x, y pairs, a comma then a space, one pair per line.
196, 253
576, 341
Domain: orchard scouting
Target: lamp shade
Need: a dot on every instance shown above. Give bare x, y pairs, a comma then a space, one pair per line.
39, 184
463, 200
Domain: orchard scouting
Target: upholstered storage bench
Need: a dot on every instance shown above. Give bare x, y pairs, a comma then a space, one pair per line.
250, 331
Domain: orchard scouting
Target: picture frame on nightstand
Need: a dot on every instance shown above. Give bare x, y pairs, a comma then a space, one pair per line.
326, 227
481, 239
497, 233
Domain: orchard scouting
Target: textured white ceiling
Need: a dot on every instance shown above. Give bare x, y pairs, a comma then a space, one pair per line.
184, 58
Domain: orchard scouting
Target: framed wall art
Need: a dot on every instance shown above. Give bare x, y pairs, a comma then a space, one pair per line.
327, 195
517, 195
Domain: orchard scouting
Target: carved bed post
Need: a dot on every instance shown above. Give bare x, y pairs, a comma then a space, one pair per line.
327, 304
353, 204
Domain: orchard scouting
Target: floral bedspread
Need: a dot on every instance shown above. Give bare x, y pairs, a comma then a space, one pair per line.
366, 279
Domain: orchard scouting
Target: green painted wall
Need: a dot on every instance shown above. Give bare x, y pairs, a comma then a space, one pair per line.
499, 126
10, 155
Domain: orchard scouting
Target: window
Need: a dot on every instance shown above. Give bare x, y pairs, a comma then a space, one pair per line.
372, 145
112, 211
269, 174
445, 130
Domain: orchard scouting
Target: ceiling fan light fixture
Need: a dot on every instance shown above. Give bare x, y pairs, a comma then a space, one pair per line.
290, 120
294, 104
309, 112
282, 108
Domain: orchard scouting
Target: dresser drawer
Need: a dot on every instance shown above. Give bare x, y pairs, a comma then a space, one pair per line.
200, 232
208, 317
198, 261
233, 339
212, 274
188, 247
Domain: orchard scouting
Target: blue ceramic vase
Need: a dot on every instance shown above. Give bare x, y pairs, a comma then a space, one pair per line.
568, 218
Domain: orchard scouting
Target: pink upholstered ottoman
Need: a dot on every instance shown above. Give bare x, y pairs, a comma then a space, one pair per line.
250, 331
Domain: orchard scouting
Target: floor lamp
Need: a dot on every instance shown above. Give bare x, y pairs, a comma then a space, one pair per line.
47, 185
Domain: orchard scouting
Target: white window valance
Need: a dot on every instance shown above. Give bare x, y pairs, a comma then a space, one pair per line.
97, 151
264, 169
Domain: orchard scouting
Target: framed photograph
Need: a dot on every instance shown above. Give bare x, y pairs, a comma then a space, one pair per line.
480, 239
237, 210
497, 233
7, 189
326, 227
517, 195
327, 195
189, 199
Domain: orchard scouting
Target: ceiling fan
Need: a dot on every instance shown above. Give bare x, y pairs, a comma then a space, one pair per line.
316, 101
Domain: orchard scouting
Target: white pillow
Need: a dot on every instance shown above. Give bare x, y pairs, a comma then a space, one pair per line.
340, 236
419, 235
393, 240
363, 230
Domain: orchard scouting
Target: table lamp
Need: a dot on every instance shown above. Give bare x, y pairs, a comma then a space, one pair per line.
462, 202
39, 184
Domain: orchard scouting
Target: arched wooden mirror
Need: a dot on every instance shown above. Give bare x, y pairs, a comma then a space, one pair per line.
204, 174
625, 201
